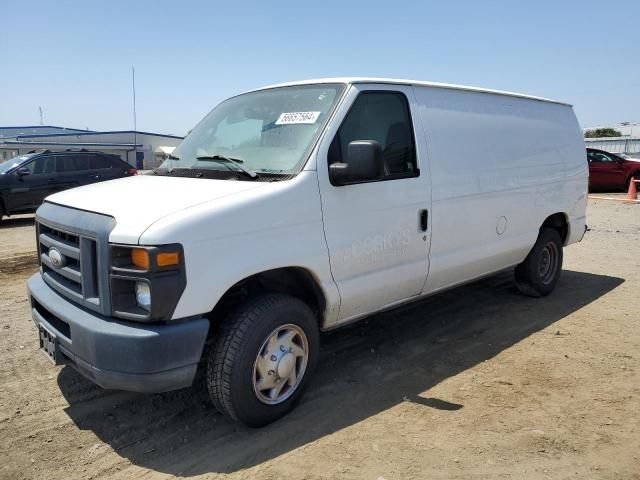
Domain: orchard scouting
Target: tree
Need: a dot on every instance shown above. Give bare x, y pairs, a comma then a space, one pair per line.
602, 132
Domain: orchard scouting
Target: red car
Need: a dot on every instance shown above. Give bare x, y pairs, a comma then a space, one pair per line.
607, 170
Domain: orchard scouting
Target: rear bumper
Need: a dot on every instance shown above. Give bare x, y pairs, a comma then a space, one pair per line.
115, 354
577, 229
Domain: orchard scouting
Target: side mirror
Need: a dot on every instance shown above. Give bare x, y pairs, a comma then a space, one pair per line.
22, 171
364, 164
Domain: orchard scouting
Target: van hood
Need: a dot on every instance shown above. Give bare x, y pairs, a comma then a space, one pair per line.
139, 201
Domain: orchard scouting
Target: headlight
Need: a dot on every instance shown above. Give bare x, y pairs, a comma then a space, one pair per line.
143, 295
146, 281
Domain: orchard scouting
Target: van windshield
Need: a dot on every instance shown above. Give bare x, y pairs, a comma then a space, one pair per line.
267, 131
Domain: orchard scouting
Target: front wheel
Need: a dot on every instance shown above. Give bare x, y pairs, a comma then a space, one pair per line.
538, 274
263, 359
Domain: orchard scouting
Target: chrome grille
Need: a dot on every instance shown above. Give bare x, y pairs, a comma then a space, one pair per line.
72, 271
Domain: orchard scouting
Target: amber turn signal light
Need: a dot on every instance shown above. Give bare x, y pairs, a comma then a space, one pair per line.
140, 258
166, 259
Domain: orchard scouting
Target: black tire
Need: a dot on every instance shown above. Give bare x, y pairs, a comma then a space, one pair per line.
200, 386
538, 274
231, 363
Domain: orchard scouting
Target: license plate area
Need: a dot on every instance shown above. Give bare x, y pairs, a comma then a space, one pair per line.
49, 344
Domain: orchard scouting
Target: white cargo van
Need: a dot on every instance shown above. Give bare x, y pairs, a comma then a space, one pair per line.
299, 208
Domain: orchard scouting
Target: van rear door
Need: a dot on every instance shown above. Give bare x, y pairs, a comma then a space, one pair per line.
377, 232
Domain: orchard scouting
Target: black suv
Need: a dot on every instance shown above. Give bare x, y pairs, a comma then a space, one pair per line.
27, 179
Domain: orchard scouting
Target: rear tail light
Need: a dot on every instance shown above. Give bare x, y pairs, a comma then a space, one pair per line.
132, 171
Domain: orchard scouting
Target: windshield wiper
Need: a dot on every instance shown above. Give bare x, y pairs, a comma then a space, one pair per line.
234, 161
170, 169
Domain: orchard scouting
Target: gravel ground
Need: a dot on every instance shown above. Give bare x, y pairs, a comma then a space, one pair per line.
478, 382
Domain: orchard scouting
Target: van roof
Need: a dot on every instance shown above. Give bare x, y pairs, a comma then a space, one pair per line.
395, 81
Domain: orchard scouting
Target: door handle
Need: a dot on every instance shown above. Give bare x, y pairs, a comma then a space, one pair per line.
424, 219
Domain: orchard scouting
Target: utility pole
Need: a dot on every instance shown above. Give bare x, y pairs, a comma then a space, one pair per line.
40, 110
135, 125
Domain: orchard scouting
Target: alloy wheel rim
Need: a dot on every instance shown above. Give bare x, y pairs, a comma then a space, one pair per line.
280, 364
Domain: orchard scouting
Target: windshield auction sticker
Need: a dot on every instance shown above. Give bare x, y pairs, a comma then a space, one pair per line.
289, 118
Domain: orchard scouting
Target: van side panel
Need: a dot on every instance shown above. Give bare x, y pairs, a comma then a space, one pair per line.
500, 165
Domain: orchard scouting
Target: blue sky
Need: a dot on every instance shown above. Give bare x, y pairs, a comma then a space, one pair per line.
74, 58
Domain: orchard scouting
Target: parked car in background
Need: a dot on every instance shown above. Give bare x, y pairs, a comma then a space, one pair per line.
26, 180
608, 170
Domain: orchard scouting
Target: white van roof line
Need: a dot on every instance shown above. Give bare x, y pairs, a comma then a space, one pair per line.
396, 81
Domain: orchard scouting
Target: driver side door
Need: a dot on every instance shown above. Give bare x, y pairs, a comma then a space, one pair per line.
377, 231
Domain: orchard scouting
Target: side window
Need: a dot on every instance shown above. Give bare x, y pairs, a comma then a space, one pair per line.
42, 166
385, 118
600, 157
64, 164
71, 163
60, 165
81, 163
99, 163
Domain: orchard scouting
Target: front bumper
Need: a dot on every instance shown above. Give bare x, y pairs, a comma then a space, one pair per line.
116, 354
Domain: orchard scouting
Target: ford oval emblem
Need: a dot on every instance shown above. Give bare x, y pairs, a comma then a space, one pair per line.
56, 258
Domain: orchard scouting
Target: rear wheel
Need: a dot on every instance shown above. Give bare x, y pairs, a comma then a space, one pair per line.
263, 358
538, 274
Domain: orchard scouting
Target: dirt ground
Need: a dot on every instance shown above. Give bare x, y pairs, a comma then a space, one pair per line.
17, 242
479, 382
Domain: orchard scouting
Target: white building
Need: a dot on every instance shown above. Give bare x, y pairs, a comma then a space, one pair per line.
143, 150
628, 142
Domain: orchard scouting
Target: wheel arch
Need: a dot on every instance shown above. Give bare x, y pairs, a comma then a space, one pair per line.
298, 282
559, 221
